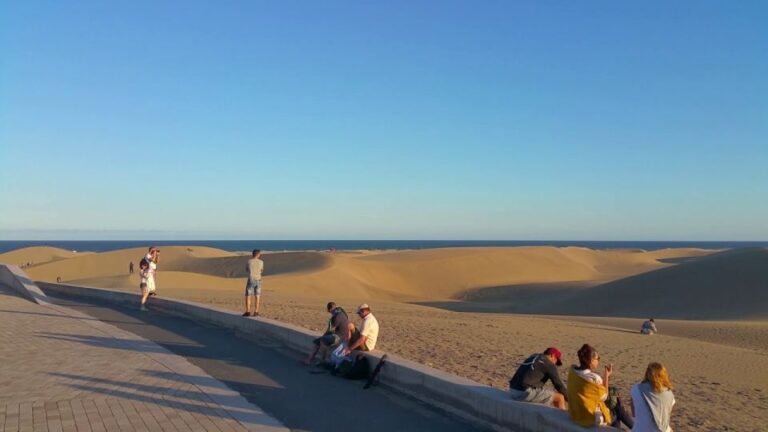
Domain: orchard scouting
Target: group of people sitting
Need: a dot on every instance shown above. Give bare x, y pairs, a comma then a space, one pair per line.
342, 336
589, 397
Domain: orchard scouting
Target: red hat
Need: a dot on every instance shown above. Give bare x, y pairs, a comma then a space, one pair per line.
555, 352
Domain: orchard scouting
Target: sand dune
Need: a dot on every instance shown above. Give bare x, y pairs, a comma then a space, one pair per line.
672, 283
234, 266
460, 322
727, 285
452, 273
37, 255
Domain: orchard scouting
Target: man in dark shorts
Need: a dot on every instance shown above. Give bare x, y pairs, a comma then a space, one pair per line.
338, 324
527, 385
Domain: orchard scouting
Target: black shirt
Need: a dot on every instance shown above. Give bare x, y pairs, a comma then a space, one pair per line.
534, 372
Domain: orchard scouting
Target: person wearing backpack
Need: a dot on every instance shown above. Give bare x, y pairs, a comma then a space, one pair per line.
337, 325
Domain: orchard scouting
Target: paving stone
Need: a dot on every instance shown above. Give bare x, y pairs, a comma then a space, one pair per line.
62, 373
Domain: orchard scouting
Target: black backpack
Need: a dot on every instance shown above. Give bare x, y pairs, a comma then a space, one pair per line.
355, 368
144, 263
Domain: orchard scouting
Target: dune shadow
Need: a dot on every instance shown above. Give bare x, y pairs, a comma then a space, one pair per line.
235, 266
532, 298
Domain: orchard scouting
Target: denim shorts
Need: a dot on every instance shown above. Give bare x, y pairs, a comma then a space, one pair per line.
253, 287
328, 339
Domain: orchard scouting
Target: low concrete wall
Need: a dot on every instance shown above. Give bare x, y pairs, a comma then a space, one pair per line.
15, 278
469, 399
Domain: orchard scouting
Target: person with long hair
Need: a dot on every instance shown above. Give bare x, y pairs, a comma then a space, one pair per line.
147, 271
588, 391
652, 400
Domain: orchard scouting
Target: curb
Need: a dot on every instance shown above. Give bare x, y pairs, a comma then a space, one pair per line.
460, 396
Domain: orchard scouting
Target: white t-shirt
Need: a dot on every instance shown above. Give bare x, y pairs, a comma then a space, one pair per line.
255, 267
149, 272
591, 377
370, 329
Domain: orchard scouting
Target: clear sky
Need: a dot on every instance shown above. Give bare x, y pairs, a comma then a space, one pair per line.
384, 120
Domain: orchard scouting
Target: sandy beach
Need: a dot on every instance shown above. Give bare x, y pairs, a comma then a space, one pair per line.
477, 312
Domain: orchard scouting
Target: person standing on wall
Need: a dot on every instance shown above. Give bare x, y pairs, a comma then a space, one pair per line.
254, 268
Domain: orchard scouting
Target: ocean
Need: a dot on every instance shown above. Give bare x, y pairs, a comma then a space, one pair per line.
296, 245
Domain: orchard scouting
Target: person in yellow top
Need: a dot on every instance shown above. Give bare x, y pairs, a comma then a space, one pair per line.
587, 391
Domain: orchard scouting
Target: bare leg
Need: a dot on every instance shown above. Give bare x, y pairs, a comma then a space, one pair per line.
256, 310
144, 295
247, 304
308, 360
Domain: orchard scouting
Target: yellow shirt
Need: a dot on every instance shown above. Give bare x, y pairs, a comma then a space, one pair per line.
583, 398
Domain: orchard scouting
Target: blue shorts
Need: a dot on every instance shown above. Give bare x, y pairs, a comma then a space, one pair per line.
328, 339
253, 287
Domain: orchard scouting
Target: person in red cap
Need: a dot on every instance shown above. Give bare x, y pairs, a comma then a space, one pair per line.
527, 385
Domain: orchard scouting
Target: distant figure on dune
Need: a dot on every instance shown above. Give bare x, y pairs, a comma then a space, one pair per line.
254, 268
130, 267
527, 384
652, 400
588, 392
147, 270
649, 327
369, 331
338, 325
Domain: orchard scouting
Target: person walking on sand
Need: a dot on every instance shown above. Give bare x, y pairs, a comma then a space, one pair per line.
254, 268
147, 271
130, 267
652, 400
527, 384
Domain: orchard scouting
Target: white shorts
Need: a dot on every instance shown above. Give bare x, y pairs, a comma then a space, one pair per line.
148, 284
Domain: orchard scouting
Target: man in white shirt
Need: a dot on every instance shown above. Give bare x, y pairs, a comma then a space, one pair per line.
369, 331
254, 268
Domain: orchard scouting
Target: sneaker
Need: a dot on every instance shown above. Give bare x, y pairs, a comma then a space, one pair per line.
144, 308
152, 294
247, 314
255, 314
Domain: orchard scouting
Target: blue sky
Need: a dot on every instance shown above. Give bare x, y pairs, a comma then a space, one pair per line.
398, 120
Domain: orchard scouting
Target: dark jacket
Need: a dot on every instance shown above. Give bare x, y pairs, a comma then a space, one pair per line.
534, 372
338, 320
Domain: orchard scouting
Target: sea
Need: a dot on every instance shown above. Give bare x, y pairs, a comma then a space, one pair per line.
319, 245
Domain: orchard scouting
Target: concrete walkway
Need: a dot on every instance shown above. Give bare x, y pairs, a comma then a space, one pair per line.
301, 398
63, 371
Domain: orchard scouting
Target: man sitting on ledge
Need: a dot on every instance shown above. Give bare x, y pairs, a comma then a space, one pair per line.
369, 331
527, 385
336, 330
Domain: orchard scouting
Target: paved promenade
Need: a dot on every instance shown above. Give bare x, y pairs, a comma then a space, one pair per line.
115, 382
272, 377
